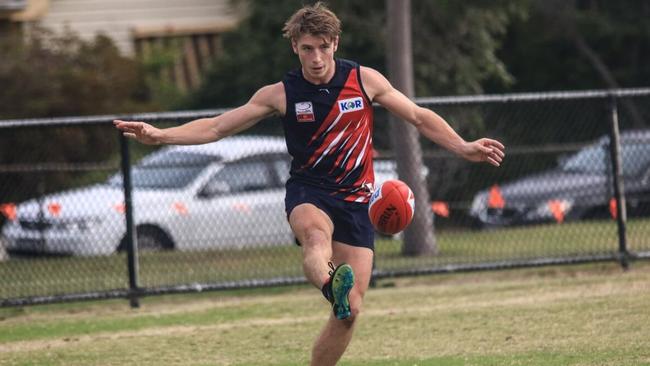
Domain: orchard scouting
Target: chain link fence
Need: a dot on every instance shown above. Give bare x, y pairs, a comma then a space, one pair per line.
212, 217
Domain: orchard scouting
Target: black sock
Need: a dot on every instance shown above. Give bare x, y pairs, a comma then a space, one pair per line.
327, 291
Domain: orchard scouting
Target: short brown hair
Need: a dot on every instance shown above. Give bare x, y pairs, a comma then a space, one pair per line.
314, 19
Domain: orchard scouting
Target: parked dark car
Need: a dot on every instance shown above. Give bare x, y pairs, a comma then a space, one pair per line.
580, 187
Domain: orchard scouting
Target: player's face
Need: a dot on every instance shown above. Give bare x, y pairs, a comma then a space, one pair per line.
316, 54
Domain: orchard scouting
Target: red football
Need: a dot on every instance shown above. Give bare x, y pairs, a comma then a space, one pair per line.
391, 207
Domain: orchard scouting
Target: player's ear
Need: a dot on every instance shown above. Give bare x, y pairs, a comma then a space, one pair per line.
335, 43
294, 45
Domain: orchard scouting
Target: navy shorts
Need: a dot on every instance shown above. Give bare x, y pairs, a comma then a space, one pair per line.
351, 222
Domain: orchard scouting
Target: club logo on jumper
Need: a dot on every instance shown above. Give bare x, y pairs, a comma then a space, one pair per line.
305, 112
350, 105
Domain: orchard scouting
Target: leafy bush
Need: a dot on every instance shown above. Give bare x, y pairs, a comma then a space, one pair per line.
44, 74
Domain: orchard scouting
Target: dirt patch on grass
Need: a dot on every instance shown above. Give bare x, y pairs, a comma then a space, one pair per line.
589, 270
121, 309
27, 346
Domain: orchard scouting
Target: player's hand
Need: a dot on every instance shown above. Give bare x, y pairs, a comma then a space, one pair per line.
140, 131
488, 150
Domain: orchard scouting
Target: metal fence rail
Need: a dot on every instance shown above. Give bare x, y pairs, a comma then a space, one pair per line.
211, 217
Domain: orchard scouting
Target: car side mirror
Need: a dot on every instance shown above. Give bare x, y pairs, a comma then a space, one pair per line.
214, 188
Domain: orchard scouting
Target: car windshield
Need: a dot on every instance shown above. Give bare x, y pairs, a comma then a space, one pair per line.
243, 177
594, 159
172, 170
590, 160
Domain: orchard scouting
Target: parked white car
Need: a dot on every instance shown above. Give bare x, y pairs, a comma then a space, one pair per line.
228, 194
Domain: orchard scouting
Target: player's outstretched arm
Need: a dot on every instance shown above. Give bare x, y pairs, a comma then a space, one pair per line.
267, 101
428, 123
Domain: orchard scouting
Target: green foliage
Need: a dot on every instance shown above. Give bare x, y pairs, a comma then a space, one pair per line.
48, 75
541, 54
575, 45
157, 65
455, 44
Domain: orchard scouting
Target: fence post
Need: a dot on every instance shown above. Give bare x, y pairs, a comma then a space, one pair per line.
131, 240
619, 191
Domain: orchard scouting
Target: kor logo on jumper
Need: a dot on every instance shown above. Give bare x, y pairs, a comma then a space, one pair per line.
351, 105
305, 112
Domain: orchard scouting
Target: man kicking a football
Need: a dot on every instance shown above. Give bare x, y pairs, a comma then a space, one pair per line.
326, 111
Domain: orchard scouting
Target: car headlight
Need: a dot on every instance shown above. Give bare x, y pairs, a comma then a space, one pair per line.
552, 209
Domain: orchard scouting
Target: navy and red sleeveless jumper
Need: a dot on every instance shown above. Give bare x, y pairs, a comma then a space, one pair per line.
328, 130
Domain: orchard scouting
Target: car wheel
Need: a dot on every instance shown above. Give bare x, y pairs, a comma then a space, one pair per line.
150, 238
153, 238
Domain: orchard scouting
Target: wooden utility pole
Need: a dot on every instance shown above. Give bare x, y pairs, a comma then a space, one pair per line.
418, 238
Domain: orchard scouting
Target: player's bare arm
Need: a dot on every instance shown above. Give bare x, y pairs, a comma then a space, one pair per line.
428, 123
267, 101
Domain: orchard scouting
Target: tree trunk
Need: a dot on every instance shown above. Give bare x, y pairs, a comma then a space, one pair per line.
418, 237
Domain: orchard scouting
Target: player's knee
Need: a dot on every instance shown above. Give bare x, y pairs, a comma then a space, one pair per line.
354, 314
356, 302
314, 236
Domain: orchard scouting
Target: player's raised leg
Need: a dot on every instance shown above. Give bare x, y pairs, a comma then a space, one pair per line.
336, 334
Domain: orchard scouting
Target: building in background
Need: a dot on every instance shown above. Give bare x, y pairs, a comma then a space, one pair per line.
190, 30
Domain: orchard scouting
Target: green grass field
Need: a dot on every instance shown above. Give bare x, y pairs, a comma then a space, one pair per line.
47, 276
593, 314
